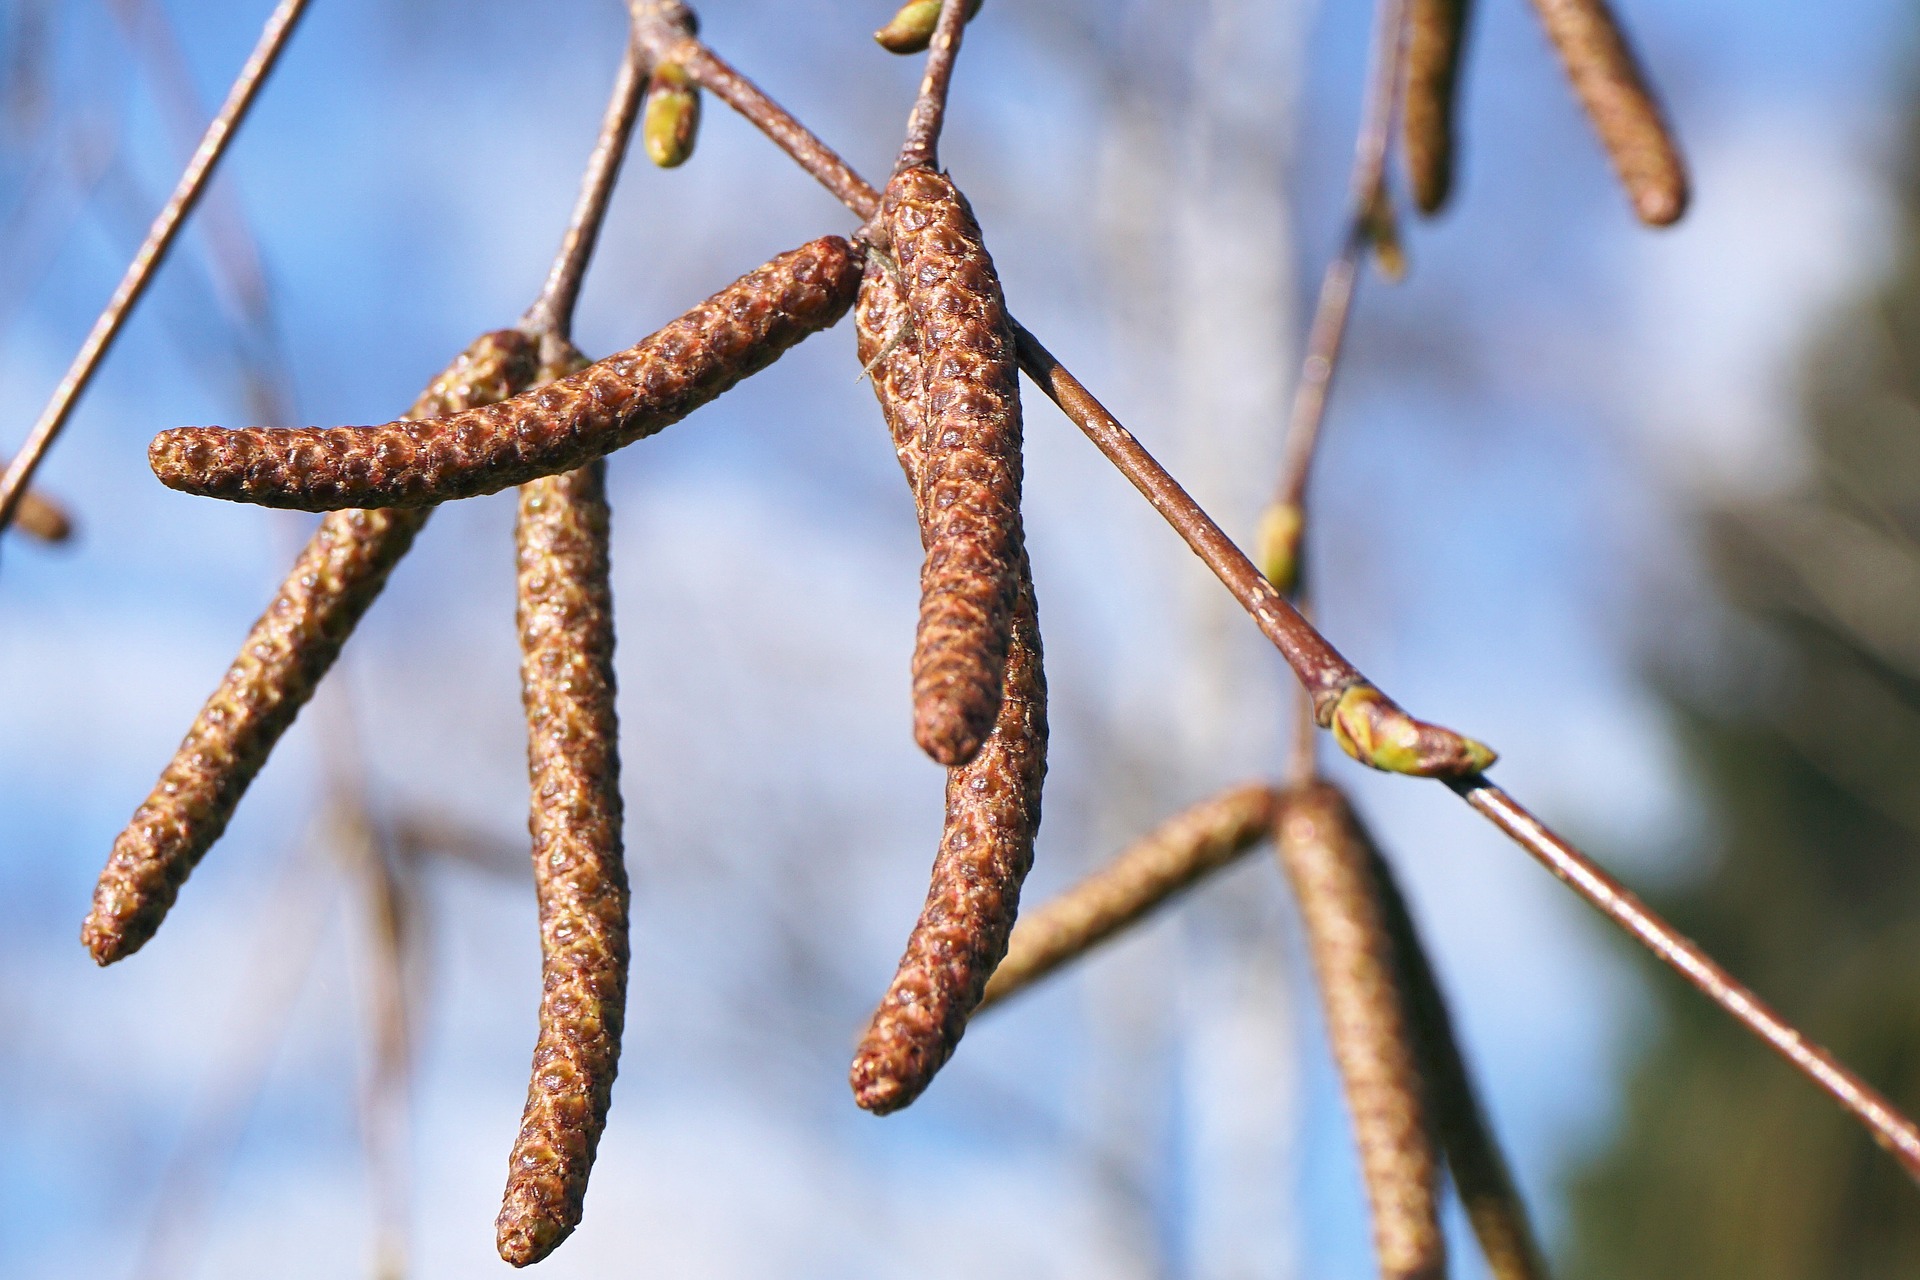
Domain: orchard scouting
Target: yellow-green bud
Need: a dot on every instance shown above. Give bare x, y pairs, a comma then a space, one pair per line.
1277, 546
1376, 732
912, 28
1383, 234
673, 116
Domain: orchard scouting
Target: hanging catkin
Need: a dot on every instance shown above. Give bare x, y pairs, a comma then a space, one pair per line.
1618, 101
567, 683
1146, 875
992, 801
338, 575
970, 491
1435, 42
606, 406
1371, 1024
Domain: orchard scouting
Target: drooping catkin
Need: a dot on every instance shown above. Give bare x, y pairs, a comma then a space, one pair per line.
1435, 43
971, 488
1608, 81
992, 801
337, 576
1371, 1024
567, 682
606, 406
1480, 1172
1146, 875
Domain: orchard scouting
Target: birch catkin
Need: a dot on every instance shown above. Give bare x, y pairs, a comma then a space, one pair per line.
567, 683
1480, 1173
993, 801
971, 488
1624, 112
607, 406
1436, 39
1370, 1023
339, 573
1174, 856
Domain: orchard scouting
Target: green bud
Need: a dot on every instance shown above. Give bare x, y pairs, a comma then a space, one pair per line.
1277, 546
1373, 730
672, 117
912, 28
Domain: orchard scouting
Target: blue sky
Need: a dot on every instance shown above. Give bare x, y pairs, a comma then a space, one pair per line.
1510, 457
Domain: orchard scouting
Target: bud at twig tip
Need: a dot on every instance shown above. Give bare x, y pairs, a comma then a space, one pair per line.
911, 29
672, 117
1372, 729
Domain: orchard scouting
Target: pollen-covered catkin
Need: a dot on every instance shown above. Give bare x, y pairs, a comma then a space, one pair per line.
1607, 80
607, 406
971, 489
992, 802
1146, 875
1370, 1023
567, 683
337, 576
1435, 41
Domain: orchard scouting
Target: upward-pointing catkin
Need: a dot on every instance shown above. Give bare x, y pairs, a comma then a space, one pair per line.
606, 406
567, 683
993, 801
1370, 1022
338, 575
970, 492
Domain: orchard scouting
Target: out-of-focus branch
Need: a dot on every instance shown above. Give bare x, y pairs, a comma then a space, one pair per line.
160, 237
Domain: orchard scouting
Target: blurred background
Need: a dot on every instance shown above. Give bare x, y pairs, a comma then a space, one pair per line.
1640, 509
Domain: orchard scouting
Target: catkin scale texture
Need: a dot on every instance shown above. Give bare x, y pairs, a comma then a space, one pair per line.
1435, 41
992, 801
337, 576
567, 683
562, 426
1607, 80
970, 489
1370, 1023
1148, 873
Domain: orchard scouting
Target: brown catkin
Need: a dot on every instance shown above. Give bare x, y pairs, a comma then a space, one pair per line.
1480, 1172
337, 576
970, 492
1436, 39
992, 802
1625, 114
1146, 875
1370, 1023
606, 406
567, 683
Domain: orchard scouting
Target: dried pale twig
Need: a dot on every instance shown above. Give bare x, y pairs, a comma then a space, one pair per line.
993, 801
1480, 1173
1148, 874
153, 250
564, 425
1624, 112
566, 639
1436, 44
338, 575
1370, 1024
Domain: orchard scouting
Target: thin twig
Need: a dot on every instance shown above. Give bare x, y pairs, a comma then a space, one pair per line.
160, 237
930, 107
552, 312
1892, 1130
